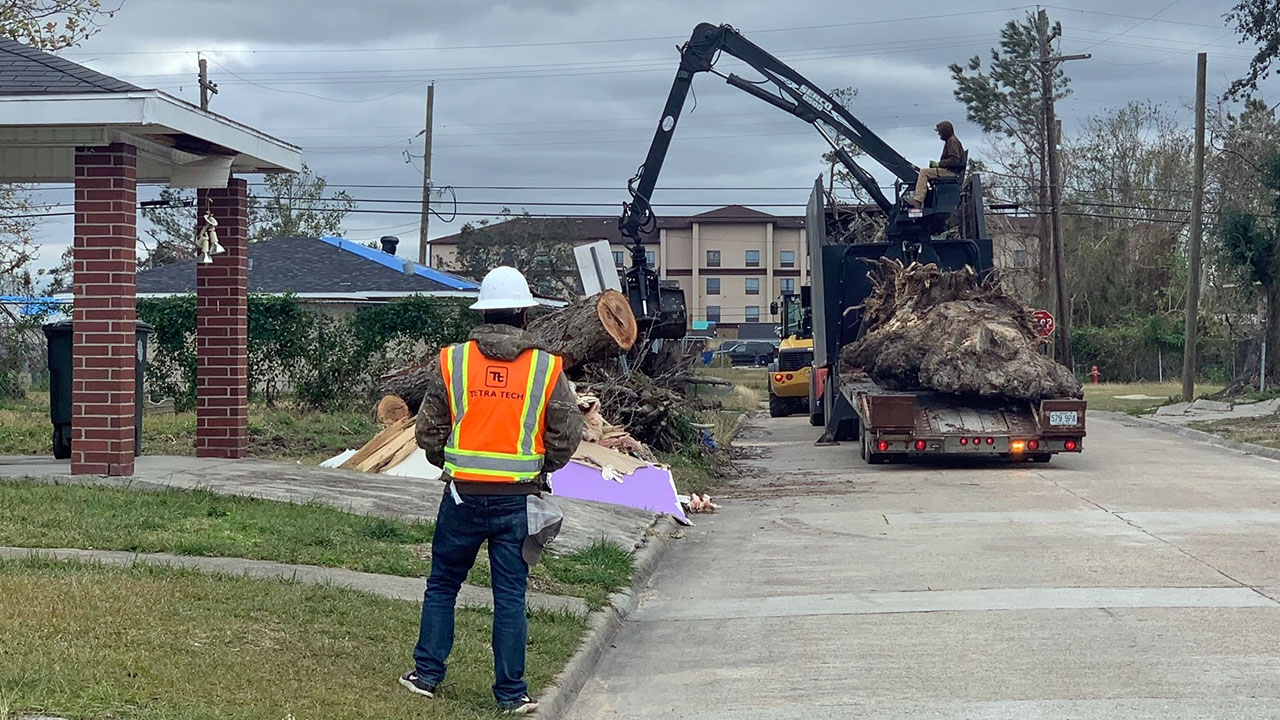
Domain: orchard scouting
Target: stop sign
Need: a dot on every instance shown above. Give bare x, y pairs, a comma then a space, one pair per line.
1044, 322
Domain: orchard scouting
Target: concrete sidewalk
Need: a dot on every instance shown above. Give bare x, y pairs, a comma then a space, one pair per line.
390, 586
363, 493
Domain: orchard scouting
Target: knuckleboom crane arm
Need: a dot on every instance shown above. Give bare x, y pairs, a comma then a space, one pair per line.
794, 94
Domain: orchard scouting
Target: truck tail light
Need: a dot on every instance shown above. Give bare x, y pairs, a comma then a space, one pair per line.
882, 445
991, 441
777, 377
921, 445
789, 376
977, 441
1033, 444
964, 441
1071, 445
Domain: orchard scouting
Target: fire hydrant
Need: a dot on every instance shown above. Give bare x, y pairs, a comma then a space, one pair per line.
1094, 375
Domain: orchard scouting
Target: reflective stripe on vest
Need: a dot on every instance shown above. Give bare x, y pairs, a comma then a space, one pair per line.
498, 430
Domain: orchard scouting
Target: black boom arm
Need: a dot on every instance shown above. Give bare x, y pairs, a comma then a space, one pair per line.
795, 94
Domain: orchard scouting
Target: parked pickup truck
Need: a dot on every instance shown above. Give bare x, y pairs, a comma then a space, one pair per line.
894, 425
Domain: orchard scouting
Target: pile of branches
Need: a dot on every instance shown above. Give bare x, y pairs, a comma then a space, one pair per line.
605, 357
645, 395
953, 332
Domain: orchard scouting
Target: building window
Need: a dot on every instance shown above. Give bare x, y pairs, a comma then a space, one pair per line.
650, 258
713, 313
788, 286
713, 258
753, 258
753, 286
617, 258
713, 286
753, 313
1019, 257
787, 259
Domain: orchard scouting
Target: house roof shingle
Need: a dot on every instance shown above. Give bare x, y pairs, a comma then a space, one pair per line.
331, 266
25, 70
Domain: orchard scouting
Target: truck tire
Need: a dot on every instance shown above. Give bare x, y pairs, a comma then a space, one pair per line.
779, 407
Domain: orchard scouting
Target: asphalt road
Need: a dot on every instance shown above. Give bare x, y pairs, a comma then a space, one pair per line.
1138, 580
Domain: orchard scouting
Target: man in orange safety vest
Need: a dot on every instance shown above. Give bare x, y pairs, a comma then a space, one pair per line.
498, 416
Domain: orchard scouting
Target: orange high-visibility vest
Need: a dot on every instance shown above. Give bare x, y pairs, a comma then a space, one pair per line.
498, 409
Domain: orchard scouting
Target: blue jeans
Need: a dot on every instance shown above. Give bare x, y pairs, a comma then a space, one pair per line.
460, 530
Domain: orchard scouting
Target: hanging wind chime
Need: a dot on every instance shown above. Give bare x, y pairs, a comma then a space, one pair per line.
207, 239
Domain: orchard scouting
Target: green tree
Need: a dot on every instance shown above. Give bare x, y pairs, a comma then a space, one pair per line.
1252, 242
52, 25
1126, 188
1004, 99
298, 205
541, 248
49, 25
1256, 21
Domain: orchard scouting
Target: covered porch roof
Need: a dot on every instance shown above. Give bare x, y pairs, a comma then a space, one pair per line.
50, 106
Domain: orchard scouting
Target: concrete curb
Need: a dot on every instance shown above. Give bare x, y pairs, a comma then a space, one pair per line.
389, 586
604, 623
1202, 436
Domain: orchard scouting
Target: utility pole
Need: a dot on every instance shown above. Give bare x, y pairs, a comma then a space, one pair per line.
1197, 230
426, 177
1047, 65
206, 88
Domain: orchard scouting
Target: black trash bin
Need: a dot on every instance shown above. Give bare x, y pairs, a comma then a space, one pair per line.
61, 335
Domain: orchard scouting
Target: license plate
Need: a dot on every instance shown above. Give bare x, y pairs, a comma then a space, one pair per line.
1062, 418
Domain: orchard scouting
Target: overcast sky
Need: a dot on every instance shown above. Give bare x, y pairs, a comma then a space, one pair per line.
565, 93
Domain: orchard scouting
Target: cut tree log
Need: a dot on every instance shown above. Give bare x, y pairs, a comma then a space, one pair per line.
953, 333
593, 328
391, 408
395, 443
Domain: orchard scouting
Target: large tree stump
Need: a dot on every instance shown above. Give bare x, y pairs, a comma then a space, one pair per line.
587, 329
950, 332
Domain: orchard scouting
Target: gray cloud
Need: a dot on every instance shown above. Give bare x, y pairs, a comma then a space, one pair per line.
547, 103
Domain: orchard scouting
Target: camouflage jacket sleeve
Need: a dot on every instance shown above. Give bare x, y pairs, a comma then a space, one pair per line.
564, 426
434, 423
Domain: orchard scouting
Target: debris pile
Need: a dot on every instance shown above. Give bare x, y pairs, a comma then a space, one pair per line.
635, 404
955, 333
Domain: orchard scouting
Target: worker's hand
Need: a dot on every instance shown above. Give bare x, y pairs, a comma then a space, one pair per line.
933, 163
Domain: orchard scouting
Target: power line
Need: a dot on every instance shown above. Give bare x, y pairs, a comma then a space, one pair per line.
1140, 23
331, 50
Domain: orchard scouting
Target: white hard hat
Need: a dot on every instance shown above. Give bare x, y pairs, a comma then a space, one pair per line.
504, 288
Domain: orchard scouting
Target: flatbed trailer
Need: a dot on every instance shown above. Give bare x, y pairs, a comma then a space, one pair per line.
914, 425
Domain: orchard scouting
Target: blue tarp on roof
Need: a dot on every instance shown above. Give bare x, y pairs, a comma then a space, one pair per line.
398, 263
29, 306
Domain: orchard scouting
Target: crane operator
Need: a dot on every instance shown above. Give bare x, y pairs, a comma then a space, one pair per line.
949, 165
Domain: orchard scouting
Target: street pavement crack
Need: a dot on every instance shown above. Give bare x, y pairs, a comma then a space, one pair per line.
1157, 538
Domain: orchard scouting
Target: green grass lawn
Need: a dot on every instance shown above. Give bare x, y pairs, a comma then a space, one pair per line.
152, 643
1103, 395
199, 522
280, 433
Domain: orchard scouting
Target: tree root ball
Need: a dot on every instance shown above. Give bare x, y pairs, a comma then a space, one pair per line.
951, 332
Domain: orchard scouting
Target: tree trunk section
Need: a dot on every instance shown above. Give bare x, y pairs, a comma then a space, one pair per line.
409, 384
587, 329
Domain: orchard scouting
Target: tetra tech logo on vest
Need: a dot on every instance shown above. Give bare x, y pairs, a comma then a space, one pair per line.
495, 382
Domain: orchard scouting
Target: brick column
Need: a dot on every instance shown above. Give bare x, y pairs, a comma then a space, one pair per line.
103, 355
222, 328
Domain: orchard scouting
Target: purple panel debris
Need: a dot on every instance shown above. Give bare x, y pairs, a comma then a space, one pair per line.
648, 488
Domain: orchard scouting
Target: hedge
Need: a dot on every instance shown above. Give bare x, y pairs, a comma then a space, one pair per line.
326, 360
